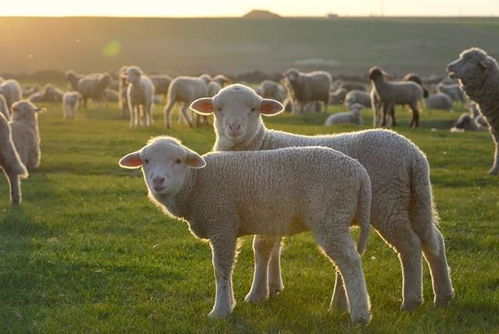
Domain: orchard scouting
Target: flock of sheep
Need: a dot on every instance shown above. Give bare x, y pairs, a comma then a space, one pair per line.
367, 178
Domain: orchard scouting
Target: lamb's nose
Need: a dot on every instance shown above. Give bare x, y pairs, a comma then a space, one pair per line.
234, 126
158, 181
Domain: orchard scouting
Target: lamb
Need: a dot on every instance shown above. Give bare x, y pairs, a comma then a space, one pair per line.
308, 87
93, 86
49, 93
338, 96
73, 79
30, 90
478, 76
111, 95
140, 97
439, 101
453, 90
122, 91
402, 207
221, 79
417, 79
4, 109
474, 111
465, 122
271, 90
161, 83
25, 133
391, 93
185, 90
358, 96
11, 90
10, 162
70, 103
354, 116
338, 188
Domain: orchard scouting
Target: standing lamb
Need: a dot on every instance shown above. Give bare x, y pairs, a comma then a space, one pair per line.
337, 188
4, 109
11, 90
439, 101
73, 79
391, 93
161, 83
10, 162
70, 103
93, 86
308, 87
122, 91
269, 89
354, 116
402, 206
140, 97
185, 90
25, 133
478, 76
221, 79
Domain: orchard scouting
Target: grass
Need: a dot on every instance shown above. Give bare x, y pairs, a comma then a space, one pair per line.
87, 252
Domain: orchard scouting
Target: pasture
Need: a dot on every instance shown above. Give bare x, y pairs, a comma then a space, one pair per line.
87, 251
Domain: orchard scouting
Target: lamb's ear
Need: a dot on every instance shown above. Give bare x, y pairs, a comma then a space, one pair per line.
194, 160
38, 109
484, 64
271, 107
203, 106
131, 161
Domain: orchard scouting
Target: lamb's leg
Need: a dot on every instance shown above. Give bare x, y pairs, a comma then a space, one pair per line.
184, 112
415, 116
495, 137
15, 188
339, 247
339, 300
224, 250
275, 277
167, 113
392, 114
262, 248
386, 109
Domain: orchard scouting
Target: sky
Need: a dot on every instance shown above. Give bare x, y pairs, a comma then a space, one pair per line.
223, 8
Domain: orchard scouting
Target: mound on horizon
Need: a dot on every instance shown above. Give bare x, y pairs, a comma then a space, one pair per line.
261, 14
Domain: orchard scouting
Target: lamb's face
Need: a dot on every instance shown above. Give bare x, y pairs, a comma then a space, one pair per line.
375, 73
24, 111
164, 164
133, 75
291, 75
470, 64
237, 109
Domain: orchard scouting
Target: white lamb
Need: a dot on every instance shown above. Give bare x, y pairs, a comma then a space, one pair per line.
402, 209
10, 162
354, 116
4, 109
12, 91
25, 133
140, 97
70, 104
325, 195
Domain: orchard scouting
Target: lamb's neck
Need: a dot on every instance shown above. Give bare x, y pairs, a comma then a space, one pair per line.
180, 204
251, 144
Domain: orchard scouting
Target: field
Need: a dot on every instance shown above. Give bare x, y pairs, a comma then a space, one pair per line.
232, 46
87, 252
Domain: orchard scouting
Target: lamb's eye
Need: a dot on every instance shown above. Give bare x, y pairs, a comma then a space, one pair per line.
146, 161
178, 161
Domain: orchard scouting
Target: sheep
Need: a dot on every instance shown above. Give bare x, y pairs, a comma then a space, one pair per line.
354, 116
337, 187
453, 90
391, 93
478, 76
221, 79
30, 90
213, 88
465, 122
4, 109
358, 96
48, 93
308, 87
140, 94
112, 95
402, 207
73, 79
70, 103
271, 90
439, 101
349, 86
337, 97
185, 90
93, 86
10, 162
11, 90
480, 120
122, 91
417, 79
25, 133
161, 83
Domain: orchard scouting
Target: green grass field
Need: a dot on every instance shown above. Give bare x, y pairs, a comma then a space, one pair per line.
87, 252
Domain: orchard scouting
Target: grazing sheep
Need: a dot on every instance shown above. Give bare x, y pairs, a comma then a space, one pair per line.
161, 83
48, 93
391, 93
338, 96
308, 87
4, 109
11, 90
93, 86
185, 90
354, 116
337, 189
358, 96
478, 76
140, 97
112, 95
25, 133
453, 90
73, 79
221, 79
30, 90
70, 103
402, 206
122, 91
10, 162
269, 89
439, 101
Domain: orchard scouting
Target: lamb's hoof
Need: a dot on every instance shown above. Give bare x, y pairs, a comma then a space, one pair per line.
219, 313
444, 301
411, 305
494, 171
341, 306
255, 297
362, 319
274, 290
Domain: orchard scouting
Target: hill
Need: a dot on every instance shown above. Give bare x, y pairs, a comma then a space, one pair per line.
260, 14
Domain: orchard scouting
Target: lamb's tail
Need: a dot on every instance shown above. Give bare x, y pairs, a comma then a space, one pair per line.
363, 215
